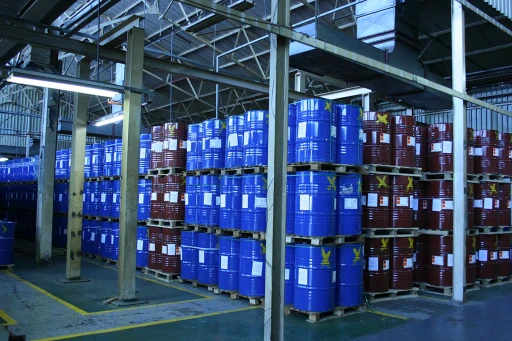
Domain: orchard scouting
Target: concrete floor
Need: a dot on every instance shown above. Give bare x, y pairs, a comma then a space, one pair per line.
35, 304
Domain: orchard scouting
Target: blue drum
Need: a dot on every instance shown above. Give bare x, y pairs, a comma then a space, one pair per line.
105, 204
210, 200
254, 202
6, 243
118, 155
88, 161
235, 141
349, 282
192, 200
86, 210
116, 198
189, 255
98, 152
256, 138
108, 158
349, 135
290, 204
214, 144
230, 202
252, 267
86, 236
208, 258
289, 274
145, 153
229, 263
95, 241
144, 207
194, 146
105, 239
292, 132
349, 212
95, 199
141, 259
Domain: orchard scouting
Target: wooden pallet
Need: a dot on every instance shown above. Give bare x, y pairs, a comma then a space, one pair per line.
445, 176
245, 170
200, 228
209, 171
486, 283
163, 276
93, 179
337, 240
59, 181
240, 234
7, 267
392, 294
472, 232
110, 178
323, 166
166, 223
445, 291
391, 232
235, 295
493, 229
392, 170
144, 177
317, 317
195, 284
106, 260
166, 171
494, 177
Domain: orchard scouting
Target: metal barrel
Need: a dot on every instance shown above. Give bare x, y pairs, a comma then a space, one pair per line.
403, 142
155, 247
486, 152
401, 194
377, 253
108, 158
174, 197
349, 134
229, 263
144, 153
58, 167
292, 132
349, 212
116, 198
208, 259
189, 255
171, 243
98, 152
210, 200
144, 201
375, 200
401, 263
118, 156
254, 202
421, 148
349, 275
504, 211
106, 242
234, 141
6, 242
256, 138
106, 191
376, 138
486, 207
174, 146
95, 199
471, 244
419, 205
487, 259
230, 211
192, 200
86, 236
440, 205
64, 164
504, 246
194, 146
95, 240
86, 210
505, 158
114, 240
291, 181
315, 278
141, 258
252, 267
440, 153
157, 146
316, 131
88, 161
157, 197
213, 144
420, 258
289, 274
315, 195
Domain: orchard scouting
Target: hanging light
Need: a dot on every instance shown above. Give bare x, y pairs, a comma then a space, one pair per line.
112, 118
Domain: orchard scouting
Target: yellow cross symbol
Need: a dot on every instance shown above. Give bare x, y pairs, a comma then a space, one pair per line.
222, 125
411, 243
357, 254
359, 186
267, 117
263, 248
496, 242
171, 129
332, 183
384, 242
493, 189
328, 106
361, 114
325, 258
497, 134
409, 185
183, 180
474, 242
382, 118
382, 181
4, 229
266, 183
470, 190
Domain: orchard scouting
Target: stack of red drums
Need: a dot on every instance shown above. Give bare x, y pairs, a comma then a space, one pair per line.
157, 156
401, 206
174, 197
440, 157
402, 263
504, 247
486, 207
487, 264
157, 197
155, 248
171, 242
421, 152
421, 259
505, 160
377, 138
175, 145
376, 191
487, 152
377, 252
403, 141
420, 204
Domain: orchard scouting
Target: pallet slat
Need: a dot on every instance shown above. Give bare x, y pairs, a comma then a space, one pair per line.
391, 232
337, 240
445, 291
316, 316
391, 295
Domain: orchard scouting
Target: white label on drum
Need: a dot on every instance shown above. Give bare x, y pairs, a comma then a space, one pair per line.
504, 254
384, 201
482, 255
496, 203
217, 200
373, 200
233, 140
418, 148
260, 202
333, 131
153, 196
215, 143
189, 146
450, 260
157, 147
224, 261
334, 276
373, 263
245, 200
60, 197
103, 197
402, 201
186, 198
477, 152
362, 135
471, 151
301, 130
447, 147
151, 247
488, 203
472, 259
288, 133
203, 143
171, 249
114, 198
411, 141
363, 200
411, 204
384, 138
286, 274
408, 263
246, 138
350, 203
140, 245
93, 236
181, 253
108, 157
173, 144
207, 199
364, 138
141, 199
494, 255
385, 264
496, 152
174, 197
257, 268
438, 260
477, 203
302, 277
201, 256
447, 205
436, 147
223, 200
414, 257
103, 238
304, 202
164, 249
436, 205
183, 144
166, 196
142, 153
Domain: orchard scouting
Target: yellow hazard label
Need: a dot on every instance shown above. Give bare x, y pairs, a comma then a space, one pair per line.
493, 189
263, 248
359, 186
222, 125
332, 183
470, 190
328, 106
325, 258
382, 181
357, 254
474, 242
361, 114
411, 243
382, 118
409, 184
4, 229
384, 242
265, 183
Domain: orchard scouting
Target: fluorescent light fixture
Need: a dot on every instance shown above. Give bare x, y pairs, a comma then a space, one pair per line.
3, 159
48, 80
113, 118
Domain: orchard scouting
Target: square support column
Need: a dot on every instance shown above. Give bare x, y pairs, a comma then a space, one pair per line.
76, 181
277, 167
460, 207
130, 166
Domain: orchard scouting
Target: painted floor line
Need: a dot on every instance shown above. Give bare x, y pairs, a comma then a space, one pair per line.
388, 315
9, 321
147, 324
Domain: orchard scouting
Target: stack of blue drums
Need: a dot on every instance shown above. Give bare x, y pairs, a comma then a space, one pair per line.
256, 138
189, 255
6, 243
254, 203
213, 144
235, 141
194, 146
207, 258
230, 211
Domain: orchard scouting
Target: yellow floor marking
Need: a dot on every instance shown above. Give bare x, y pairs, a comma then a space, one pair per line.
435, 298
8, 320
388, 315
147, 324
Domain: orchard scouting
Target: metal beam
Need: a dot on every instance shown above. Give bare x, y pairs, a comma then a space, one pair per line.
346, 93
277, 161
337, 51
46, 178
76, 181
460, 209
487, 17
130, 166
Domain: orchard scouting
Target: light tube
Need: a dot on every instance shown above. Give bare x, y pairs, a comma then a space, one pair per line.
109, 120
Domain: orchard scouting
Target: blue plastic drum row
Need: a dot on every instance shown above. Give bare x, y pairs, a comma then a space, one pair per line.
18, 170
